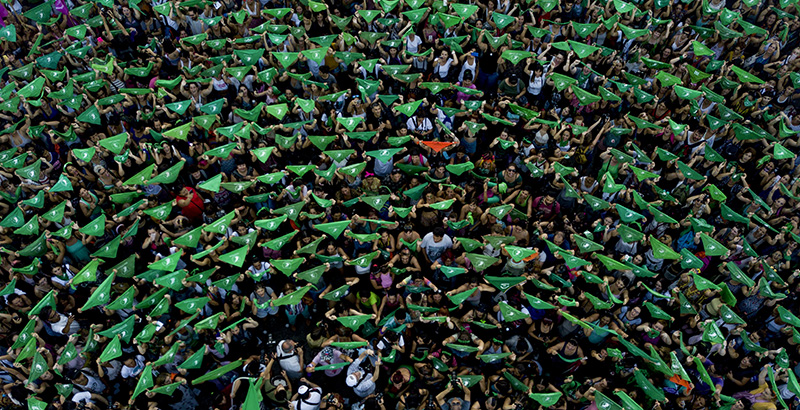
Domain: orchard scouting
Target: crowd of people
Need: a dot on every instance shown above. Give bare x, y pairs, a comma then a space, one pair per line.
416, 204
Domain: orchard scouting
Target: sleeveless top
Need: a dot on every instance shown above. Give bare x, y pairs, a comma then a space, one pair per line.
466, 66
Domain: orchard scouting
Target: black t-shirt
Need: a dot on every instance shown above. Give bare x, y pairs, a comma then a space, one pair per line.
393, 186
739, 373
372, 120
488, 61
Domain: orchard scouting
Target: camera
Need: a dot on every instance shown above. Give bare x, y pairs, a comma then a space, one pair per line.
431, 403
271, 345
454, 380
519, 402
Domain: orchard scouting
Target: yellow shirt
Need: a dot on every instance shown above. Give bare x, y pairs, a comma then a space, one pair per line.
763, 405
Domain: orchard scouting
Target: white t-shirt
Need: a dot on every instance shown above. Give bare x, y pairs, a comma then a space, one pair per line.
93, 385
412, 46
490, 250
16, 292
442, 70
466, 66
114, 371
67, 274
84, 396
541, 137
257, 274
60, 326
363, 271
219, 85
419, 126
268, 310
128, 372
195, 25
290, 362
365, 385
383, 168
311, 403
536, 84
400, 343
435, 249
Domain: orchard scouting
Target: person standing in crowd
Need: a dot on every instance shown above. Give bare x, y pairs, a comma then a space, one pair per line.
413, 204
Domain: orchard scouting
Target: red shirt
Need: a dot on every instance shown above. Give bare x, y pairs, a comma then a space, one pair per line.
195, 208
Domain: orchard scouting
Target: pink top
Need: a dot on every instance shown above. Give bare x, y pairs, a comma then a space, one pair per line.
460, 97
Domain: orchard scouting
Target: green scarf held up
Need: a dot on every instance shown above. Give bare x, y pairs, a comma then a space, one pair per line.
570, 360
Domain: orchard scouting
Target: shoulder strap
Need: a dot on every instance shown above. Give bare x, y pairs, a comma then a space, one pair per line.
274, 387
310, 403
363, 376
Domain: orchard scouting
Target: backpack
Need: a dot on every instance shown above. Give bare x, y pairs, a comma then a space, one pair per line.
681, 193
686, 241
581, 156
729, 149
